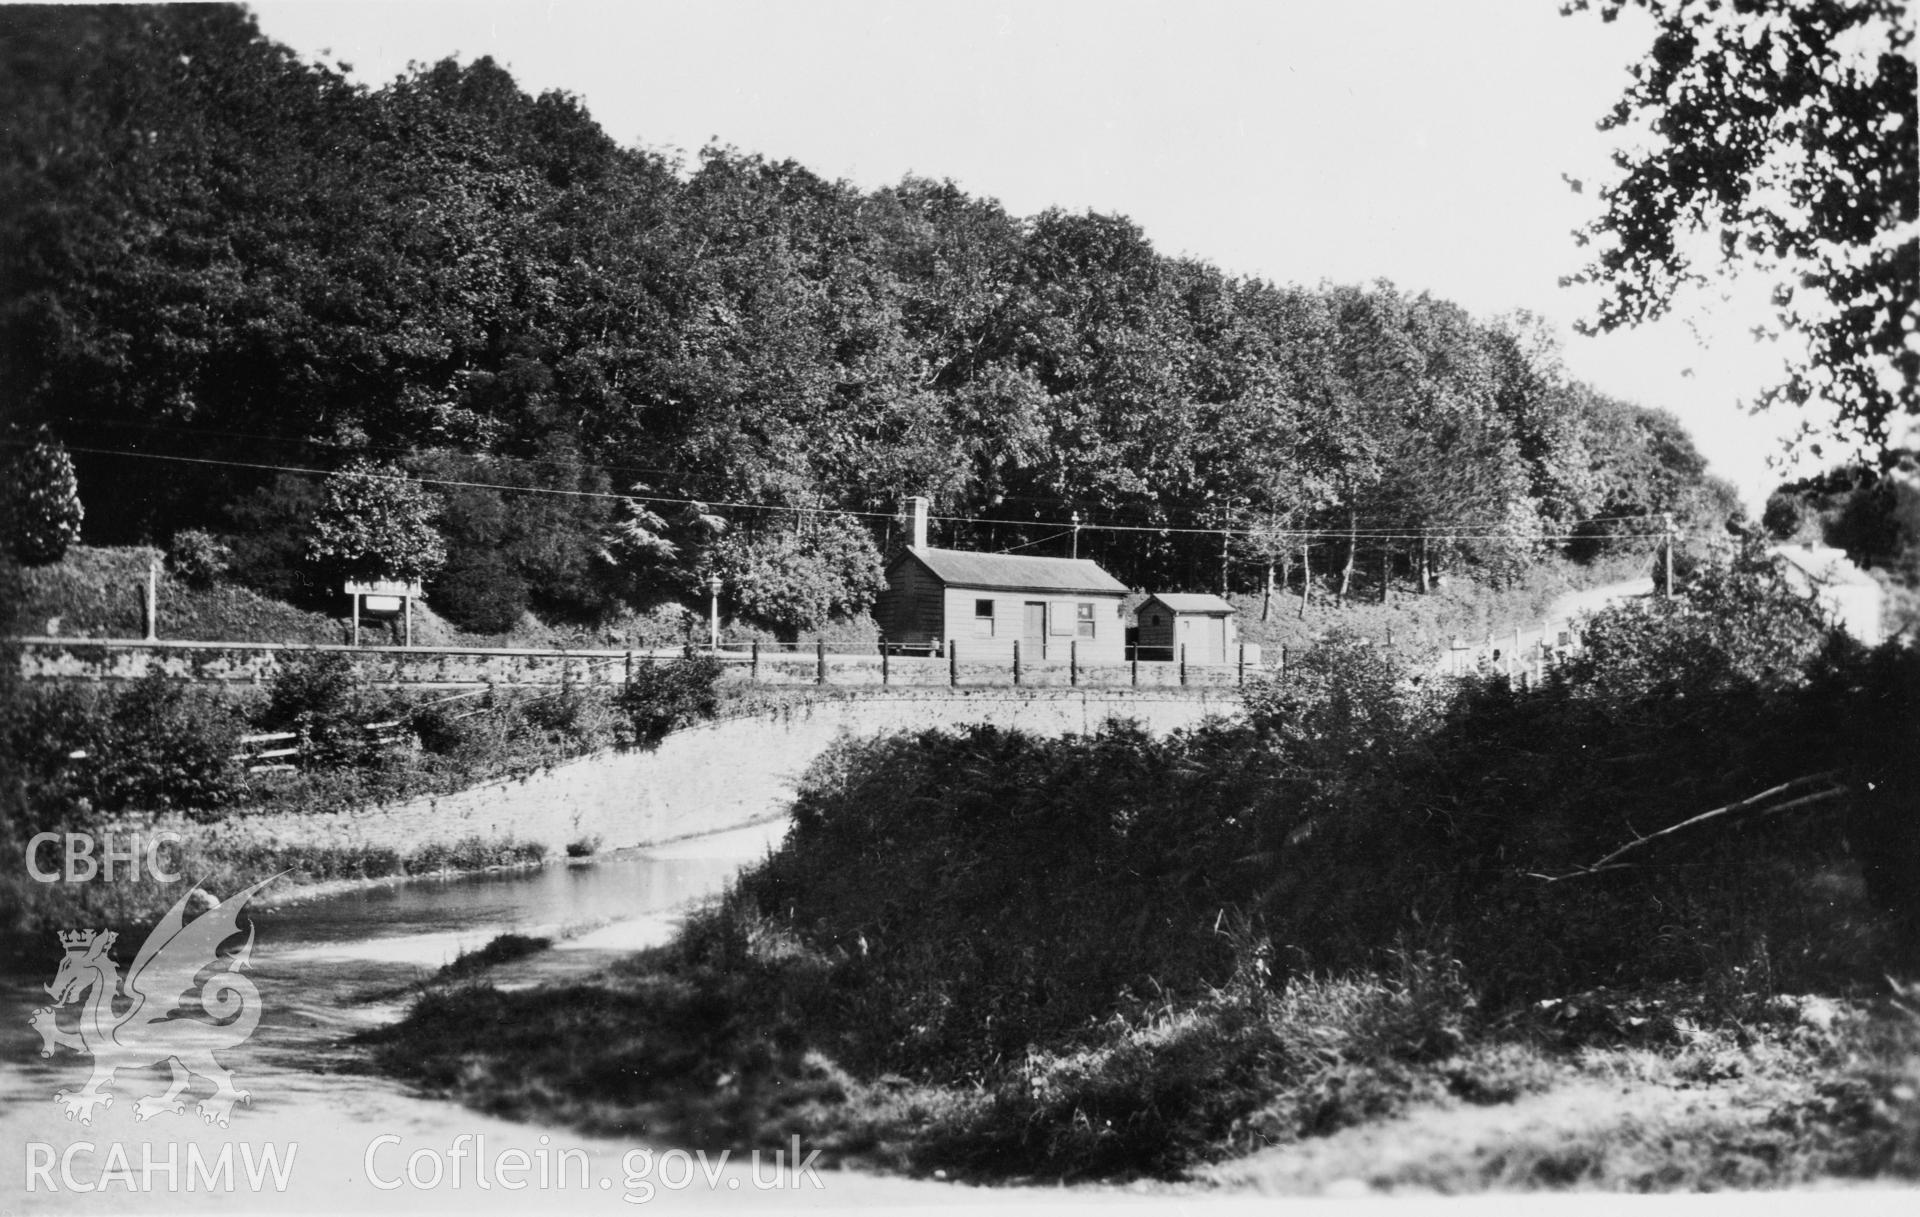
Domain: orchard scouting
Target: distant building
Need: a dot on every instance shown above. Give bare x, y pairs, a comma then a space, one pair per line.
1851, 597
984, 603
1206, 625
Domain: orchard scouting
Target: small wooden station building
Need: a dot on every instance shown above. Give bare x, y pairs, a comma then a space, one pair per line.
984, 603
1204, 624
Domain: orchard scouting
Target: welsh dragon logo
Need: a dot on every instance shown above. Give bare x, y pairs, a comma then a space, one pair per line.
159, 1007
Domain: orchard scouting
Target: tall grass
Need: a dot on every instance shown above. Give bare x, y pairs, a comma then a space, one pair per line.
225, 862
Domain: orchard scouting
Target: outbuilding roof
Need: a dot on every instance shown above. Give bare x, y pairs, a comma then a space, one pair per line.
1190, 602
962, 568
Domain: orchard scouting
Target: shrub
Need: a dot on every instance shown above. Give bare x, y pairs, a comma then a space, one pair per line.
792, 582
153, 745
197, 557
377, 523
481, 590
42, 508
1739, 625
321, 697
1343, 697
663, 697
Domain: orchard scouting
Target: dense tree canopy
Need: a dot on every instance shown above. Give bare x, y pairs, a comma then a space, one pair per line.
1784, 131
225, 273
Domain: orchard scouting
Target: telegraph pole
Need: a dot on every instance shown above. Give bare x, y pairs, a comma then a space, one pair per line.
1667, 518
1225, 535
713, 619
1076, 532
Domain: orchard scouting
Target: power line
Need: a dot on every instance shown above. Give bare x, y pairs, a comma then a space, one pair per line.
1372, 529
1290, 536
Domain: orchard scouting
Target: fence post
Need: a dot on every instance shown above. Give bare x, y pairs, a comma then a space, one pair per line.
150, 602
1242, 680
1282, 669
884, 673
1016, 661
953, 663
1183, 665
1136, 667
1073, 662
629, 667
820, 661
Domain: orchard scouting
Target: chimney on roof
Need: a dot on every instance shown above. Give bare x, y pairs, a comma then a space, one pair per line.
918, 506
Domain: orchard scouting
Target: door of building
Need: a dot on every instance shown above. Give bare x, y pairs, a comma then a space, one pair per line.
1033, 637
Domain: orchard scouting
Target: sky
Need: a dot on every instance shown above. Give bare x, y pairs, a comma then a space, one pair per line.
1321, 140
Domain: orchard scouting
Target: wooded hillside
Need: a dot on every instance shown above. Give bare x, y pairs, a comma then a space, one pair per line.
226, 273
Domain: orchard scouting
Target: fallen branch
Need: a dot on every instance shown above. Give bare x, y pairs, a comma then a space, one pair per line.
1834, 790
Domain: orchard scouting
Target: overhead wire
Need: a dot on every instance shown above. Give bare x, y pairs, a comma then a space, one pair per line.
1306, 535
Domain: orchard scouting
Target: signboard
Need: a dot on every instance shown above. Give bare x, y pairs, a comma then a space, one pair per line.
383, 587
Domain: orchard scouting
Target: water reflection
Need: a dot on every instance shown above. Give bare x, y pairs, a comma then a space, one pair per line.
331, 966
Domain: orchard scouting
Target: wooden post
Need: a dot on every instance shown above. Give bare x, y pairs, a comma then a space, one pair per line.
1225, 536
1183, 665
820, 661
1016, 661
953, 663
1281, 668
1136, 666
1306, 579
1243, 666
629, 667
406, 603
356, 619
1666, 518
885, 674
150, 603
1073, 662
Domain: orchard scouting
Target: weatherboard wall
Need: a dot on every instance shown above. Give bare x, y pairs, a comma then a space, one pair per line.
991, 638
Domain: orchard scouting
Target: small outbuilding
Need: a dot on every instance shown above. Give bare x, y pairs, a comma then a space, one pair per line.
1849, 595
1205, 624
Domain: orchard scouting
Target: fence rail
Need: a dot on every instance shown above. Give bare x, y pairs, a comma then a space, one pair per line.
933, 664
473, 670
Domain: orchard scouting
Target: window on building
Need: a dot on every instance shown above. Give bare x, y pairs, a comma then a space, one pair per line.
1084, 620
1060, 619
983, 618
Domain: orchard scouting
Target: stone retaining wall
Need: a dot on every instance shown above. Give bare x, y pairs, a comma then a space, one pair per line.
453, 667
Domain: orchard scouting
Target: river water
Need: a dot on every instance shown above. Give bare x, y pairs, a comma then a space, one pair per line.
329, 968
